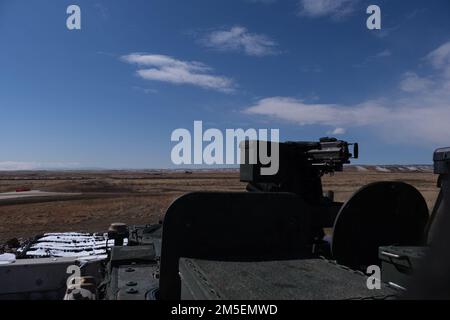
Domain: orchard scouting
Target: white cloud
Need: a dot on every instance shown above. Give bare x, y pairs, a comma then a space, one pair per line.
298, 111
29, 166
338, 131
440, 58
239, 39
420, 117
402, 122
384, 53
411, 82
321, 8
167, 69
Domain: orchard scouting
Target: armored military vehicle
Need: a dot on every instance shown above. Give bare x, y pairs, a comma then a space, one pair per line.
285, 238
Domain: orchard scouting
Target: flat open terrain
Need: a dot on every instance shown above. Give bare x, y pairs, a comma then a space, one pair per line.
96, 199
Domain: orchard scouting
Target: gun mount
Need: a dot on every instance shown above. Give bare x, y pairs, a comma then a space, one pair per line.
301, 166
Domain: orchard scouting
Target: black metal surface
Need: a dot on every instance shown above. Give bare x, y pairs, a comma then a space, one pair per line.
232, 226
433, 279
399, 264
442, 205
136, 254
133, 282
441, 160
379, 214
303, 279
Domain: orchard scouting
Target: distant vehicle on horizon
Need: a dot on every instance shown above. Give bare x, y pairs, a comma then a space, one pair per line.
23, 189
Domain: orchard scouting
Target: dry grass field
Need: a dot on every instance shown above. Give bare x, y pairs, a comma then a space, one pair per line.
142, 197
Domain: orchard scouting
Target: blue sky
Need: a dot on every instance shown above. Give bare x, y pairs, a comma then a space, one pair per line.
110, 95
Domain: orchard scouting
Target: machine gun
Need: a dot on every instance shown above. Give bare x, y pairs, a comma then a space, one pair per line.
301, 166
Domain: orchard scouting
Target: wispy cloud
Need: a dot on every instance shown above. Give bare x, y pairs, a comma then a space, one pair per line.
146, 90
167, 69
29, 166
239, 39
103, 10
419, 117
380, 55
383, 54
321, 8
391, 26
262, 1
440, 58
411, 82
311, 69
338, 131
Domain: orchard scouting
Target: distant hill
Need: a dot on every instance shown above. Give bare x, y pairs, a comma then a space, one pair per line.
389, 168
